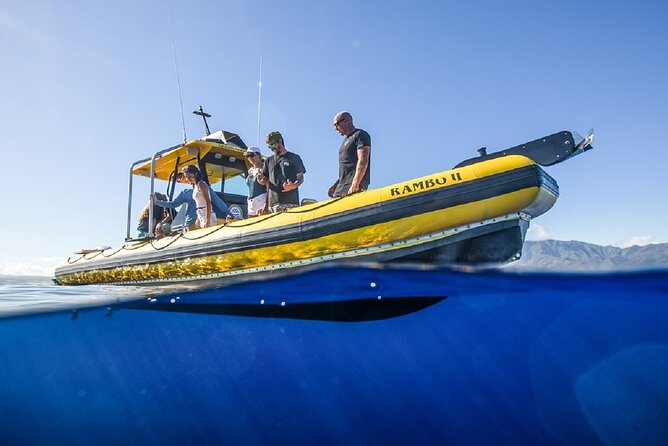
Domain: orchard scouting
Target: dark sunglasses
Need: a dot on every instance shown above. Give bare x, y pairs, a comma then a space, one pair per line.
336, 124
251, 155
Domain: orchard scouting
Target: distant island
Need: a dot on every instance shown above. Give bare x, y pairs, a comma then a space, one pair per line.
23, 279
557, 255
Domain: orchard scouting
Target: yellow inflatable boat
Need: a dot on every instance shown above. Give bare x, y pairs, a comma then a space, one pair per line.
477, 212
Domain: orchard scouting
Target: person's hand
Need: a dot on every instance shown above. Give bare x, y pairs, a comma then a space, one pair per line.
353, 189
289, 185
331, 190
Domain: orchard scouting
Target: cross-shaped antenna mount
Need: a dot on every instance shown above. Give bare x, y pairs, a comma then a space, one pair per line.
204, 115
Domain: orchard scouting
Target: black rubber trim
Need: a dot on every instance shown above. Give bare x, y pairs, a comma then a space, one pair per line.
430, 200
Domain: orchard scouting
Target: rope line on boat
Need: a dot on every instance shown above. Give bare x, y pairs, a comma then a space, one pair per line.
83, 256
325, 204
168, 244
132, 247
226, 224
126, 247
267, 217
91, 258
183, 235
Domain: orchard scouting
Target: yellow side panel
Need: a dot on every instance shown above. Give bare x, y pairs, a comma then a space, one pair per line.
373, 235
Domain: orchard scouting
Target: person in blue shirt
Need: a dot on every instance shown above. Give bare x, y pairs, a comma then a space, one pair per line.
186, 196
219, 206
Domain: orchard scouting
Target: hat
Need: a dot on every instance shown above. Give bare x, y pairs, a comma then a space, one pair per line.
274, 137
252, 149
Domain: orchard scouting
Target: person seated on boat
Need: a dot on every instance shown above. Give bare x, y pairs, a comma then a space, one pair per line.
283, 172
221, 209
257, 193
185, 196
354, 158
158, 216
164, 226
202, 196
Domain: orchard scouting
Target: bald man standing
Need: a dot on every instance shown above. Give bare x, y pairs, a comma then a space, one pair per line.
354, 158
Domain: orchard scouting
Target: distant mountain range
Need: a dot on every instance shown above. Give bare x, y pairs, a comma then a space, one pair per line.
557, 255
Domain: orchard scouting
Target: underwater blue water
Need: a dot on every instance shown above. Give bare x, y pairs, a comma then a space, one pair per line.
490, 358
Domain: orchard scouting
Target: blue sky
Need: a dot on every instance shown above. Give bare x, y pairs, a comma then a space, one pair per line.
88, 87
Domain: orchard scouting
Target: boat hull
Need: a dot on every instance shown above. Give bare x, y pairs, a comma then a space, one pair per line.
474, 214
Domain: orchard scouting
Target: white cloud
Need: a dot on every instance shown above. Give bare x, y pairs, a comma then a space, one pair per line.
636, 240
537, 233
43, 266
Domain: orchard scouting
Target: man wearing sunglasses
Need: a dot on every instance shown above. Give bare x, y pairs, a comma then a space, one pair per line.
284, 172
354, 158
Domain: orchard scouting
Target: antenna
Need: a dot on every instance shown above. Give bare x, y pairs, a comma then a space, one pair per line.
204, 115
259, 102
178, 81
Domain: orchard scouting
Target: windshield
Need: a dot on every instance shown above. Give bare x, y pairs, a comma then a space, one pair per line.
235, 185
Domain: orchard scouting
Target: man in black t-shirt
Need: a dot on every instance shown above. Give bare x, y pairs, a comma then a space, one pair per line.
354, 158
284, 172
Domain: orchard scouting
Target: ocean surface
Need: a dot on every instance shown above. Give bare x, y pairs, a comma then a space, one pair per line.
357, 354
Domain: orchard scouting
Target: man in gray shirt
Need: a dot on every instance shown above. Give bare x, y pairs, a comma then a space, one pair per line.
354, 158
283, 173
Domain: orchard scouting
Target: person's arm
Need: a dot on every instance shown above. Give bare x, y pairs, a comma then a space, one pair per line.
300, 179
178, 201
332, 189
289, 185
219, 203
360, 169
263, 174
265, 208
204, 188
